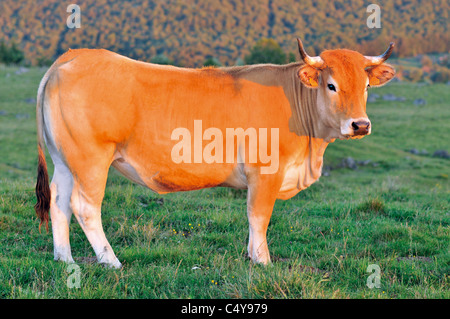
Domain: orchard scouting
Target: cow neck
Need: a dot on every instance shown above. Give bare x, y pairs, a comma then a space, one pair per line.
304, 122
303, 101
305, 119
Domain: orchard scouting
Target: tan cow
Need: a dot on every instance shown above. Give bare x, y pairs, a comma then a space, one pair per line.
267, 128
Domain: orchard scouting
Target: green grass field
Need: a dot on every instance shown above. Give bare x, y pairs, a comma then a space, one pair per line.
393, 212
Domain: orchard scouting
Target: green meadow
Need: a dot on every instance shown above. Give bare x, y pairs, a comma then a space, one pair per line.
385, 206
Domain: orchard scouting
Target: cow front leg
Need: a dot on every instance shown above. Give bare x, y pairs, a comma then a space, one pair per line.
261, 198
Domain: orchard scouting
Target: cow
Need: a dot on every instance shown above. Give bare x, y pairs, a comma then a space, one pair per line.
97, 109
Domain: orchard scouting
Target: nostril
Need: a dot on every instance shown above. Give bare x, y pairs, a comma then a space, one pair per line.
355, 126
364, 125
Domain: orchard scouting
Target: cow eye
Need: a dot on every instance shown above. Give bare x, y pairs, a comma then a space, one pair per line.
331, 87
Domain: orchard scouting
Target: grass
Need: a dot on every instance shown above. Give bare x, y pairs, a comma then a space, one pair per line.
393, 212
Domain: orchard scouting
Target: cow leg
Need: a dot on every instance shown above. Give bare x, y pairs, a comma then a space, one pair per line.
88, 214
261, 196
86, 201
60, 212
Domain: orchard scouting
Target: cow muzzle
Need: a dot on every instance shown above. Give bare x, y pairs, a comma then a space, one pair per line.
361, 127
356, 127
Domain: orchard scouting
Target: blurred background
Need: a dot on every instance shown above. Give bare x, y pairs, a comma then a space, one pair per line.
193, 33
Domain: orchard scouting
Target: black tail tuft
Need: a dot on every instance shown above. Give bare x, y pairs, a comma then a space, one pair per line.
43, 195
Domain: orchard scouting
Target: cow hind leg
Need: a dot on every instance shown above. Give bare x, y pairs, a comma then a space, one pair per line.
88, 215
86, 201
60, 212
83, 198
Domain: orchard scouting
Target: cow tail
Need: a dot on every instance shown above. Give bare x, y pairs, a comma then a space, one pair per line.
43, 194
42, 206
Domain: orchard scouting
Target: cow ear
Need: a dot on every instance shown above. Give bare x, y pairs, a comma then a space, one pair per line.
309, 76
380, 74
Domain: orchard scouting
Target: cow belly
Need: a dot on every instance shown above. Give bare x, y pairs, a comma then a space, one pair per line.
163, 179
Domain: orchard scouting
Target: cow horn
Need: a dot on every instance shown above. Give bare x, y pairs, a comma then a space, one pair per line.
316, 61
377, 60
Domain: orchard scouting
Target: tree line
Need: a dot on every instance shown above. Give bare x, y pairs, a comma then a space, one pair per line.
10, 53
419, 68
188, 32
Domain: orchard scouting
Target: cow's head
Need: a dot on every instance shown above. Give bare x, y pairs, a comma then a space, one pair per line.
342, 78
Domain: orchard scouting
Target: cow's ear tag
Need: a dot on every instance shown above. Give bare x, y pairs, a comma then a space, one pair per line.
309, 76
313, 83
380, 74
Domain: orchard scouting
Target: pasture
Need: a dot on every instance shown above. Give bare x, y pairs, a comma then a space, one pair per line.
386, 206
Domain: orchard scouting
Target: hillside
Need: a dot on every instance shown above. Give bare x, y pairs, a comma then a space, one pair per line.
188, 32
